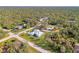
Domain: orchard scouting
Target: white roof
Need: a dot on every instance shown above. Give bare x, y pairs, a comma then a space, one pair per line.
45, 18
36, 32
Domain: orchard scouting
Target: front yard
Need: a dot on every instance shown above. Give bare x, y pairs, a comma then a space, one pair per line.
42, 42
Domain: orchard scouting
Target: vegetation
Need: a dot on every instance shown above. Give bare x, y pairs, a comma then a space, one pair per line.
14, 46
3, 34
65, 18
39, 41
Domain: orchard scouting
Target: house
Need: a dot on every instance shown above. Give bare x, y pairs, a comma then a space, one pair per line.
50, 28
26, 21
20, 26
76, 49
44, 18
36, 33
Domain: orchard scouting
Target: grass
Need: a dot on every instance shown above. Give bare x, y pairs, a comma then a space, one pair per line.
3, 34
11, 42
19, 30
42, 42
32, 50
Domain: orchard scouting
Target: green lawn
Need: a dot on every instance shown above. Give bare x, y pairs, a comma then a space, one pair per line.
42, 42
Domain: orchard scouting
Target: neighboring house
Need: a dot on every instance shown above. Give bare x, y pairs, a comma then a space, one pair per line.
50, 28
44, 18
20, 26
36, 33
76, 49
26, 21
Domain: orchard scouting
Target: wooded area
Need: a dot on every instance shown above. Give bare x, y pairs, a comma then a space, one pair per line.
65, 18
